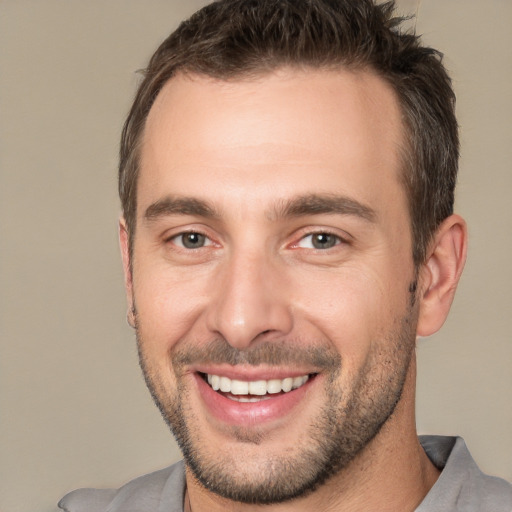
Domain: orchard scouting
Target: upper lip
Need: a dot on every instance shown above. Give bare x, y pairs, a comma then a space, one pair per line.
251, 373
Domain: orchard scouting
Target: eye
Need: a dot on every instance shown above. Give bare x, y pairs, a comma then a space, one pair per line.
319, 241
191, 240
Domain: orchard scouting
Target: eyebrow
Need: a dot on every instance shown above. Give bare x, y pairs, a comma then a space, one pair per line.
301, 206
180, 206
317, 204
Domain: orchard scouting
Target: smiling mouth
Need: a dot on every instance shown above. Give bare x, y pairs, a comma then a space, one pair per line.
254, 391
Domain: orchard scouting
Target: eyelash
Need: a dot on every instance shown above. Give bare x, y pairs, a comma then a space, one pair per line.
181, 235
338, 240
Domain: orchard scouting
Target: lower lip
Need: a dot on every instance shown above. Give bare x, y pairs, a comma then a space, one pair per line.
271, 408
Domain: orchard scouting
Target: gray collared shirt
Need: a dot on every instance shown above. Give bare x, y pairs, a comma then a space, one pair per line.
462, 487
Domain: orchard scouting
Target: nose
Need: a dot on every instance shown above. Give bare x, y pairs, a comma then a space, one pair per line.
250, 302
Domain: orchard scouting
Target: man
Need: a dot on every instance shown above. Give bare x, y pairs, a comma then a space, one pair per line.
287, 176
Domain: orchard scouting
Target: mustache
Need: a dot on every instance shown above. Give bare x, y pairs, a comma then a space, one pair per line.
277, 353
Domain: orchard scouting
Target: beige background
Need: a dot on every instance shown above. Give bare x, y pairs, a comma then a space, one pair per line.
74, 410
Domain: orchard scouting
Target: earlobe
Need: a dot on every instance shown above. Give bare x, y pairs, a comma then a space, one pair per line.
124, 245
440, 274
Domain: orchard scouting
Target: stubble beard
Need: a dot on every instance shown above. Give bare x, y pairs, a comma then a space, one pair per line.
346, 424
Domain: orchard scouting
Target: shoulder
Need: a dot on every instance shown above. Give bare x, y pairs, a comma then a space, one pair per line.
462, 485
144, 493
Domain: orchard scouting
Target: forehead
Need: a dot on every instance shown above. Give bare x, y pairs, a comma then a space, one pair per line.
287, 130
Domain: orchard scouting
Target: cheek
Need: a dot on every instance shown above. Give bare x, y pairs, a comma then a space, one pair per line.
353, 308
168, 305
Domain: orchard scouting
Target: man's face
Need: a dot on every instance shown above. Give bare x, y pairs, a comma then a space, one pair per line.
272, 259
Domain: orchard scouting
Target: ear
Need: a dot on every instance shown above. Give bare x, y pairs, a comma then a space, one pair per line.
440, 274
127, 268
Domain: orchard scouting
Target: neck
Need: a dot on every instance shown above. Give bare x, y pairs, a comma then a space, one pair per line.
391, 473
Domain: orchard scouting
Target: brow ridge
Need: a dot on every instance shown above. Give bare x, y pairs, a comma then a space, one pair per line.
170, 205
317, 204
301, 206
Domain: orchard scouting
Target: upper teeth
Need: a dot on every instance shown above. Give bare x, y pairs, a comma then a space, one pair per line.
256, 387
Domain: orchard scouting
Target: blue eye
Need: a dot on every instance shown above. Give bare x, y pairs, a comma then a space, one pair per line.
191, 240
319, 241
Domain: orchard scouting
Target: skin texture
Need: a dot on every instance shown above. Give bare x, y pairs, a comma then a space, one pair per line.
247, 165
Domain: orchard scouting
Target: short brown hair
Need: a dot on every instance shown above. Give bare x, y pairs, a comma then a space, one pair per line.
239, 38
